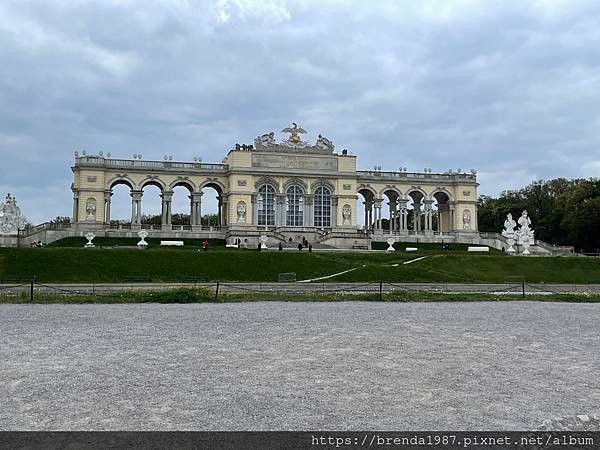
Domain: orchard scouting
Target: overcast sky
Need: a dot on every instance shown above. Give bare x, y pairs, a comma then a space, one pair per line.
510, 88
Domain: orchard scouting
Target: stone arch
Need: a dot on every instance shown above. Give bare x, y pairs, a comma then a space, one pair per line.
415, 215
322, 182
369, 194
442, 215
415, 189
294, 182
390, 210
441, 190
153, 181
267, 180
120, 179
109, 201
363, 188
395, 190
219, 202
186, 183
215, 184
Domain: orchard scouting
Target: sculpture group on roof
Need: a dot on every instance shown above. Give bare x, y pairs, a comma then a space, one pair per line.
293, 142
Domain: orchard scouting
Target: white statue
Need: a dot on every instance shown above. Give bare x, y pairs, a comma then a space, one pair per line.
90, 237
391, 241
467, 219
263, 241
90, 209
346, 215
143, 234
509, 232
241, 212
266, 140
10, 216
325, 144
525, 233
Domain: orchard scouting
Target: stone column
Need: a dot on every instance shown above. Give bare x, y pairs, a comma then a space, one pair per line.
309, 210
167, 197
334, 210
392, 225
378, 213
107, 196
219, 210
136, 208
452, 210
224, 210
368, 214
443, 218
195, 208
279, 210
427, 204
75, 209
254, 212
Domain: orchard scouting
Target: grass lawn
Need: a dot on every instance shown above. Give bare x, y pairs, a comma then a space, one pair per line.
79, 265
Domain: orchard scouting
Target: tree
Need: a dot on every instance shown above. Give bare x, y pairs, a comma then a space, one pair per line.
564, 212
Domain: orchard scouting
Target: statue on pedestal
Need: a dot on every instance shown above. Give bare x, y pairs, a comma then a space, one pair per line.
142, 234
509, 233
525, 233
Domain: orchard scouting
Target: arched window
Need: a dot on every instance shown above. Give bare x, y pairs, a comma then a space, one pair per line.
294, 207
265, 204
322, 207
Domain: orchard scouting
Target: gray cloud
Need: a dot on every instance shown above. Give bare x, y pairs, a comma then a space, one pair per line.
508, 87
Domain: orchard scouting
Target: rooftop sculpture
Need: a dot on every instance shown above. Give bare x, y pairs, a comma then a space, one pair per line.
294, 142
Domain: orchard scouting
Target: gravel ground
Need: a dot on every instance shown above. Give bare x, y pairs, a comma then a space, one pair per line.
297, 366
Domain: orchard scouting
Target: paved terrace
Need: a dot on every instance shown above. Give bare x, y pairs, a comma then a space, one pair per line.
280, 366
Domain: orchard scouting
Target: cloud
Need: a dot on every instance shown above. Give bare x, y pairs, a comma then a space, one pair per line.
508, 88
591, 169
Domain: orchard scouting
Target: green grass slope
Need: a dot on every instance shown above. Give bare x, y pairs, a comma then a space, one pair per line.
78, 265
169, 265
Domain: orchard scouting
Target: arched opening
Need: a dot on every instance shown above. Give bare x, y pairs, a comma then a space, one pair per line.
181, 209
214, 207
441, 217
151, 205
322, 207
415, 215
294, 206
392, 222
117, 204
265, 206
368, 200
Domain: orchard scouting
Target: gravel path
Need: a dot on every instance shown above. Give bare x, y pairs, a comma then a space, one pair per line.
280, 366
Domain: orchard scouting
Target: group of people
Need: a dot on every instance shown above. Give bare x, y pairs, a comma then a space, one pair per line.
301, 245
37, 244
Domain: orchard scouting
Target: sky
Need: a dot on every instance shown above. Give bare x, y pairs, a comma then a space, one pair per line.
510, 88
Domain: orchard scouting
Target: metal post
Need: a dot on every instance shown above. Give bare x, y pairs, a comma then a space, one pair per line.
217, 291
380, 289
31, 291
523, 287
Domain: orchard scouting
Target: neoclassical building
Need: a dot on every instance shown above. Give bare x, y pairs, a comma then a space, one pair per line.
283, 190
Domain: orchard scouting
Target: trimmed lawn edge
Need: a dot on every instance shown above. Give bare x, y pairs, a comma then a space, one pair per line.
180, 296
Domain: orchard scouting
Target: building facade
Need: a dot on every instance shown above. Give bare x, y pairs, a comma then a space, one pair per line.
282, 189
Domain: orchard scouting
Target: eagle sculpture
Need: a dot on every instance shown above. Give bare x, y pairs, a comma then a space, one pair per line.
294, 129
